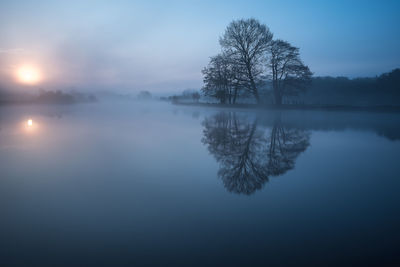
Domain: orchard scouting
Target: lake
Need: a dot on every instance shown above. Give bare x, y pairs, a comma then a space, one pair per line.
156, 184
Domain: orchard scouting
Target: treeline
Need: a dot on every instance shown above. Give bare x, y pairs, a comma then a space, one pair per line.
45, 97
250, 60
187, 96
59, 97
381, 90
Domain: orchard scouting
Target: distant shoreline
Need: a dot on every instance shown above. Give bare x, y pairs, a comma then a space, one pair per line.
39, 103
295, 107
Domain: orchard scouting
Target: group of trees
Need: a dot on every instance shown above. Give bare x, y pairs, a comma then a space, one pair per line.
187, 95
59, 97
144, 95
250, 57
382, 90
46, 97
248, 153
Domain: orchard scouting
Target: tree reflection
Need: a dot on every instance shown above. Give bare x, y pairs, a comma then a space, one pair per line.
249, 153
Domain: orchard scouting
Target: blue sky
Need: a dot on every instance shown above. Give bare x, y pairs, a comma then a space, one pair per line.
163, 45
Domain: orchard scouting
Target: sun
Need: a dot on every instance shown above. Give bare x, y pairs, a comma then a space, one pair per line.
28, 74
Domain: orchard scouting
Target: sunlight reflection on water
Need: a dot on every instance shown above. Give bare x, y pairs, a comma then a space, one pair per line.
30, 126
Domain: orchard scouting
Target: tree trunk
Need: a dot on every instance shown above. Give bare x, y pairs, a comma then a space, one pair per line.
235, 95
254, 89
277, 93
253, 84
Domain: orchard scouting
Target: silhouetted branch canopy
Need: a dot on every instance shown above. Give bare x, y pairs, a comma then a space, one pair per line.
248, 153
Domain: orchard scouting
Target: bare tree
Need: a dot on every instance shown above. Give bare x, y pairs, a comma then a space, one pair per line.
289, 75
237, 145
196, 97
245, 42
220, 80
249, 153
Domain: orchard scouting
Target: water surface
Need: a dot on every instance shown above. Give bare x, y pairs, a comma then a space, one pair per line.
156, 184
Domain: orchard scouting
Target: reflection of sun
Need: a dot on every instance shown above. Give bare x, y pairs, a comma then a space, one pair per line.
28, 74
30, 126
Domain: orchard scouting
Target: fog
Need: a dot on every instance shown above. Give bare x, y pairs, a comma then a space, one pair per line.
199, 133
139, 45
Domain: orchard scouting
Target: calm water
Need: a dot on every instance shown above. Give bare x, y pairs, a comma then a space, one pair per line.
126, 184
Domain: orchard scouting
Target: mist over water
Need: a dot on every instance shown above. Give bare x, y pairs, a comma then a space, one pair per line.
108, 183
199, 133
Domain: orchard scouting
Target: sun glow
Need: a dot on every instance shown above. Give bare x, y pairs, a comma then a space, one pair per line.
28, 74
29, 126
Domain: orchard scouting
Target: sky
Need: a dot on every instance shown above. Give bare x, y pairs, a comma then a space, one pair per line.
162, 46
